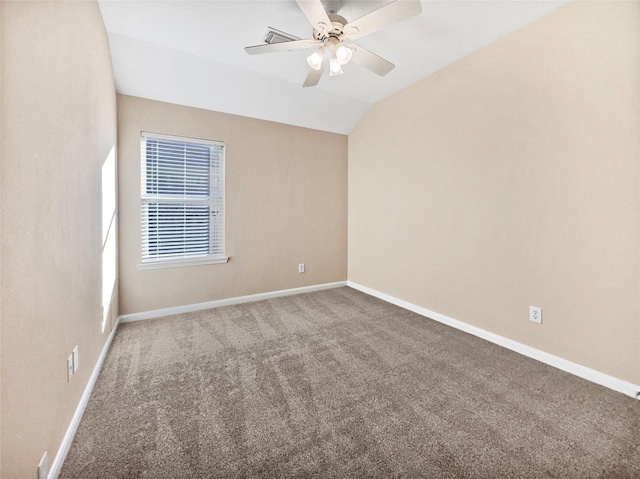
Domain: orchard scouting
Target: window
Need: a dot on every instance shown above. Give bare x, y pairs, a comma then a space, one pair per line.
182, 201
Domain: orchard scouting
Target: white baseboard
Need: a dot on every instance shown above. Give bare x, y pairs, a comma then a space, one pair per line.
158, 313
61, 455
583, 372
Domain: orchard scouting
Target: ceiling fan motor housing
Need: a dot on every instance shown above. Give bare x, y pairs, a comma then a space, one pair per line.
336, 28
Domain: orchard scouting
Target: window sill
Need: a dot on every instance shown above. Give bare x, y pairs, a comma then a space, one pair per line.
182, 262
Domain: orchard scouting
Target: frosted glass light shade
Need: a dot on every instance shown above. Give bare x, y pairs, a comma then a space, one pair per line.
315, 60
335, 68
344, 54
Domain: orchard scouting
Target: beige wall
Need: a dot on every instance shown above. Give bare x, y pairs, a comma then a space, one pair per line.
511, 179
58, 126
286, 203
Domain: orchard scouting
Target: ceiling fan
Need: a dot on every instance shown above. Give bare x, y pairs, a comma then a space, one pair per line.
332, 36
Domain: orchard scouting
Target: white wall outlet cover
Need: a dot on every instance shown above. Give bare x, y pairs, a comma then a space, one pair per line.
43, 467
69, 367
535, 314
76, 359
301, 268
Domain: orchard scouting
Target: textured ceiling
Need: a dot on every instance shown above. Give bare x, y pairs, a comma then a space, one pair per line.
192, 53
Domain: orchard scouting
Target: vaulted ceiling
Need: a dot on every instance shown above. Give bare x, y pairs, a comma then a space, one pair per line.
192, 53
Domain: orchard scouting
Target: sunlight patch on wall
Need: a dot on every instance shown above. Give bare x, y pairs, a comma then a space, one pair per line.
109, 259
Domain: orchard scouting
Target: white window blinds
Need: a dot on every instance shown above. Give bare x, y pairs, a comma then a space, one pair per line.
182, 198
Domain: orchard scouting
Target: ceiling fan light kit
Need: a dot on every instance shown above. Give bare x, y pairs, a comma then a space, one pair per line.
330, 31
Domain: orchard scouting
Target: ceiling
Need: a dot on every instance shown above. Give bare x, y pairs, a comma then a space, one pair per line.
192, 53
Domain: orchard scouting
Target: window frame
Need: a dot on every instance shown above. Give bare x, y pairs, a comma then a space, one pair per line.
180, 261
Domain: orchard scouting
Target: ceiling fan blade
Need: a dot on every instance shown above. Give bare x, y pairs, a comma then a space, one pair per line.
370, 60
315, 13
282, 46
378, 19
314, 75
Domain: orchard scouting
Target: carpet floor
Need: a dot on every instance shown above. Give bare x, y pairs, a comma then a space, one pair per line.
339, 384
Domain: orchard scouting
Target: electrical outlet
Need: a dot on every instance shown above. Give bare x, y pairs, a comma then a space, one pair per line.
76, 359
43, 466
301, 268
69, 367
535, 314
